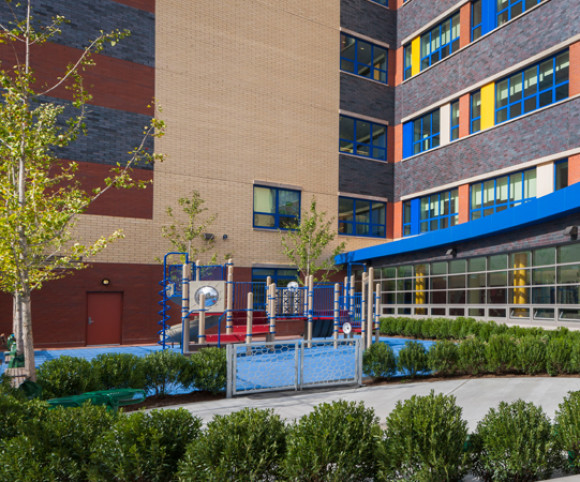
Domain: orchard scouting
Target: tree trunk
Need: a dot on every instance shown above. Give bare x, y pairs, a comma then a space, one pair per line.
22, 325
17, 322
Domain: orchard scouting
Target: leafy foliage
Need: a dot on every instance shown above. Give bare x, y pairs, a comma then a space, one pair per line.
209, 369
443, 358
501, 353
472, 356
413, 359
379, 360
559, 356
567, 432
118, 370
164, 369
66, 376
531, 355
246, 445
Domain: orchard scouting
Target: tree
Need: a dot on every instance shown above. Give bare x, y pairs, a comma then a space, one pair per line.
306, 244
40, 198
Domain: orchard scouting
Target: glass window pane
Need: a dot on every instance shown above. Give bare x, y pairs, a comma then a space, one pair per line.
345, 209
498, 278
530, 183
501, 96
546, 74
544, 276
530, 81
476, 196
405, 271
520, 260
476, 264
569, 274
457, 266
264, 200
544, 256
562, 67
515, 87
264, 220
561, 174
439, 268
569, 253
362, 211
346, 128
502, 190
476, 280
289, 202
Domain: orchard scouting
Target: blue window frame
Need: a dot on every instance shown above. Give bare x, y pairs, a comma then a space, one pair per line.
407, 59
476, 20
363, 58
276, 208
438, 211
560, 174
454, 132
407, 225
500, 193
475, 112
537, 86
440, 41
363, 138
382, 2
426, 132
361, 217
508, 9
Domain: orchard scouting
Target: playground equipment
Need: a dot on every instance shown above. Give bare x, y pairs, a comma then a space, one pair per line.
207, 295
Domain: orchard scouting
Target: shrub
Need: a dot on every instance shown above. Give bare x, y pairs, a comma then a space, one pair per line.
119, 370
514, 443
412, 359
245, 445
388, 326
379, 361
16, 413
567, 428
209, 369
472, 359
66, 376
424, 440
500, 354
456, 328
559, 356
144, 446
55, 446
163, 369
336, 441
443, 358
531, 355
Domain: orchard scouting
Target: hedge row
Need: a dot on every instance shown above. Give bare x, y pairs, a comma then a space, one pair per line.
425, 439
157, 373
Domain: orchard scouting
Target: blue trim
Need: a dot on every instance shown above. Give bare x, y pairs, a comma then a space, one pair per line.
488, 16
407, 139
436, 35
281, 219
415, 206
472, 119
375, 228
358, 65
373, 146
551, 206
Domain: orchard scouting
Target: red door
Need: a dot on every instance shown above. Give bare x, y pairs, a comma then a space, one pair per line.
104, 318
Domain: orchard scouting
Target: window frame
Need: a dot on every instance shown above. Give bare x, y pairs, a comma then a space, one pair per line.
427, 60
429, 139
372, 69
511, 5
557, 164
479, 25
454, 128
407, 66
277, 214
472, 119
354, 142
354, 223
440, 218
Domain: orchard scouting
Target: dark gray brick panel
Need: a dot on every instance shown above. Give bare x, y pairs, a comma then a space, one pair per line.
550, 233
546, 132
415, 14
370, 19
366, 97
362, 176
88, 17
111, 134
550, 24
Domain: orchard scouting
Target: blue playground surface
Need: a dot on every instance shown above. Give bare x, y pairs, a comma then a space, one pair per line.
321, 359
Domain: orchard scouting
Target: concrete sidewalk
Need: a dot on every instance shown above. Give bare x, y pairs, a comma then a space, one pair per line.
475, 396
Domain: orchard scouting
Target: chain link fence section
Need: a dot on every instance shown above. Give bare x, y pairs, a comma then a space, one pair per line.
276, 366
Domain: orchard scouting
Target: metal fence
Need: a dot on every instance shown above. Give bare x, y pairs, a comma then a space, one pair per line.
276, 366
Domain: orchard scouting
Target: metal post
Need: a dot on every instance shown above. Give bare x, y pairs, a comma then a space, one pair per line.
197, 274
231, 375
363, 310
185, 275
272, 312
310, 294
370, 311
230, 298
249, 318
336, 312
377, 307
202, 310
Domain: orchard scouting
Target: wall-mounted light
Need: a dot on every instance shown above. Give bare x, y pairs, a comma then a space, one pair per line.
224, 237
571, 231
208, 236
451, 252
105, 281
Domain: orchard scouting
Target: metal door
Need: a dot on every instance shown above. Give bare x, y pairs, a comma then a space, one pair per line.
104, 315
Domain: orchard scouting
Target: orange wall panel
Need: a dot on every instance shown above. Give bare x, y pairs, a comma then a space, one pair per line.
398, 143
575, 69
574, 169
464, 115
463, 203
465, 25
397, 64
147, 5
398, 220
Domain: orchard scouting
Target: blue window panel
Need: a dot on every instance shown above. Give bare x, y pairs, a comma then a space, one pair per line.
362, 138
363, 58
501, 193
411, 217
407, 62
509, 9
361, 217
454, 133
560, 174
475, 112
440, 42
276, 208
407, 139
438, 211
476, 20
537, 86
426, 132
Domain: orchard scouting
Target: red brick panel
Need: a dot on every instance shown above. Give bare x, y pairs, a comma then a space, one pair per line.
465, 25
464, 115
396, 66
113, 83
397, 155
463, 203
147, 5
397, 220
575, 69
574, 169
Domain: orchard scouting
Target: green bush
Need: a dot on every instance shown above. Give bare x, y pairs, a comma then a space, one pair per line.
443, 358
16, 413
336, 441
164, 369
119, 370
567, 428
55, 446
209, 369
472, 359
388, 326
412, 359
144, 446
424, 441
245, 445
66, 376
531, 355
514, 443
379, 361
501, 354
559, 356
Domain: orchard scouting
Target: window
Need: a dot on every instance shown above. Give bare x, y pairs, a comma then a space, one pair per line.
276, 208
476, 20
535, 87
498, 194
440, 42
560, 174
407, 68
508, 9
475, 112
360, 217
280, 276
426, 132
407, 218
382, 2
363, 58
438, 211
454, 134
363, 138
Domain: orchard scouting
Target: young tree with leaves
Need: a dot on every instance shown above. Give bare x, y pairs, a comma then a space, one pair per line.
307, 244
40, 198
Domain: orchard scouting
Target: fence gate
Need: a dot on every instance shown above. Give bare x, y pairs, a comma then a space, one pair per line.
275, 366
